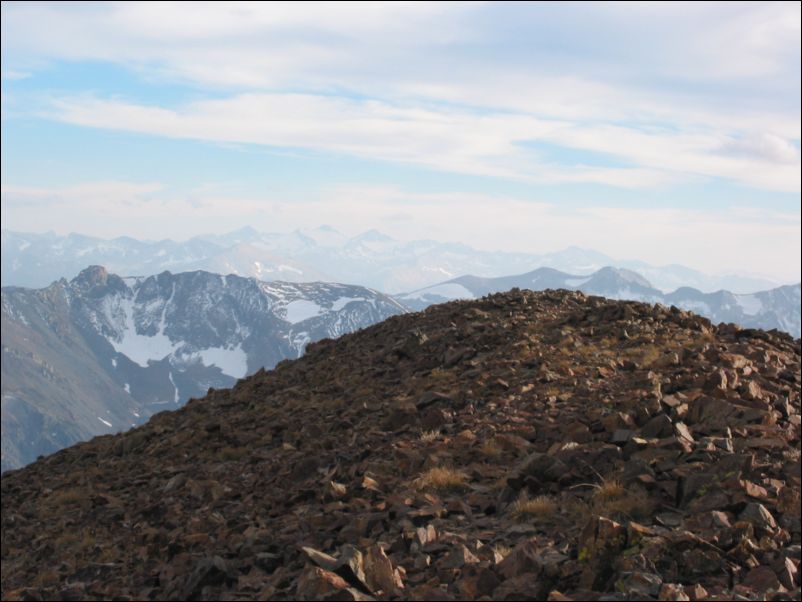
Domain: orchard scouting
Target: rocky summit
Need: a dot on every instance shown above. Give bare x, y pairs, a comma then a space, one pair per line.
524, 445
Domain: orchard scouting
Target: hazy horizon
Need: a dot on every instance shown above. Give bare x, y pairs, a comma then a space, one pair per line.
347, 237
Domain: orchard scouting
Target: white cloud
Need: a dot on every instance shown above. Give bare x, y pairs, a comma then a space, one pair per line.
253, 44
450, 139
226, 42
708, 40
437, 85
14, 74
92, 193
763, 146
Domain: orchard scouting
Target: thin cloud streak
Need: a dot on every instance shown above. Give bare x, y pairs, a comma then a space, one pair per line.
451, 140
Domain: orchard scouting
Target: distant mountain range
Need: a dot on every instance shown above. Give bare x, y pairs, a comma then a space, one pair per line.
321, 254
776, 308
101, 353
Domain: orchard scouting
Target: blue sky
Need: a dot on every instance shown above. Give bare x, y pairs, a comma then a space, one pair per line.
663, 132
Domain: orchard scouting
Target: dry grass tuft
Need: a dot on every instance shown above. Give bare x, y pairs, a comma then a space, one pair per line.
609, 490
441, 479
542, 507
631, 504
429, 436
440, 374
612, 499
491, 448
650, 354
500, 551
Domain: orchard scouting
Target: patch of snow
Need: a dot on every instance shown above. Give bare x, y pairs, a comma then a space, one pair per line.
114, 362
343, 301
172, 382
300, 310
140, 348
750, 304
107, 423
23, 245
127, 388
233, 362
450, 290
299, 341
9, 309
627, 294
438, 270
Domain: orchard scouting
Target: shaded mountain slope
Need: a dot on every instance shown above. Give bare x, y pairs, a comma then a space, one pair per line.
54, 390
100, 353
522, 446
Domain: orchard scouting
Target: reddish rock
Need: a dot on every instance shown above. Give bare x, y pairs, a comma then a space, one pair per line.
789, 573
696, 592
380, 574
476, 582
434, 418
717, 381
459, 557
316, 583
758, 515
672, 591
524, 558
762, 579
658, 427
521, 587
682, 430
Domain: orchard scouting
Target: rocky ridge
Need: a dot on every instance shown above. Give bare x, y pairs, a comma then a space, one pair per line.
775, 308
522, 446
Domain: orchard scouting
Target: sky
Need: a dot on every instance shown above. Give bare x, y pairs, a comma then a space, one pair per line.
668, 132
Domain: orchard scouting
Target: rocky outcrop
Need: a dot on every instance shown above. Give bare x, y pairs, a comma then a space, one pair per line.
522, 446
